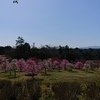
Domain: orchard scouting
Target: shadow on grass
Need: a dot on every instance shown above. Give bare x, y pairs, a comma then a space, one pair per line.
39, 80
2, 72
43, 74
13, 77
88, 71
72, 71
29, 74
52, 78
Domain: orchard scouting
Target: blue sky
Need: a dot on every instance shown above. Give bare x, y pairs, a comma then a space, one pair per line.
75, 23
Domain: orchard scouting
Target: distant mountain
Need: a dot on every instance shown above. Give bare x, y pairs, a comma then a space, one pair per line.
91, 47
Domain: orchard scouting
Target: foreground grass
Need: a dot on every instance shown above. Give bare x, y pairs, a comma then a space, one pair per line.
55, 79
72, 76
81, 76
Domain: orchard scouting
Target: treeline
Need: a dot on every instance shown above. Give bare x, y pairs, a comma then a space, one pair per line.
24, 50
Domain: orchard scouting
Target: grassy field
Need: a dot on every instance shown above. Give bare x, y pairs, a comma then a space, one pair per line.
81, 76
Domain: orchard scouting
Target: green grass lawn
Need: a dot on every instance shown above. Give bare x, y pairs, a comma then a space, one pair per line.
74, 76
81, 76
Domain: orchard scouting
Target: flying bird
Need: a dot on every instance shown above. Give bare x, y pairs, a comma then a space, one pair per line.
15, 1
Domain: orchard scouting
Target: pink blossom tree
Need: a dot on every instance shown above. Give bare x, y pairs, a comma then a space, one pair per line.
4, 65
49, 64
34, 59
64, 63
55, 59
56, 64
79, 65
1, 59
70, 66
13, 66
21, 64
90, 64
31, 67
44, 66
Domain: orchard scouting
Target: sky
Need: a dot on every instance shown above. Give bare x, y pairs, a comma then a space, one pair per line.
75, 23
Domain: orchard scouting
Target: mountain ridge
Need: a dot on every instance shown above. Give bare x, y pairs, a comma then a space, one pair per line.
91, 47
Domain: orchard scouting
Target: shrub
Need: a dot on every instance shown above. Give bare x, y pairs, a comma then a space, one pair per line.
66, 91
92, 92
5, 89
33, 89
29, 90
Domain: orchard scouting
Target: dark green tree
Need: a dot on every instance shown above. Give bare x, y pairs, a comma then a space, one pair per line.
22, 48
19, 41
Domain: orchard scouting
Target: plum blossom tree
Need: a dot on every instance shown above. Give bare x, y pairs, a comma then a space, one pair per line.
64, 63
56, 64
35, 59
49, 64
70, 66
55, 61
31, 67
4, 65
21, 64
79, 65
89, 65
13, 66
44, 65
1, 59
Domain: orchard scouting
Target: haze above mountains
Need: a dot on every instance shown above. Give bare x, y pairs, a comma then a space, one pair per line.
92, 47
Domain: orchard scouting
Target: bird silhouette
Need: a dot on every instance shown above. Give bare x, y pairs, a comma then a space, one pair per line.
15, 1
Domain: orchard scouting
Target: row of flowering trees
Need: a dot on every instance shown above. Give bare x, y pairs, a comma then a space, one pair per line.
32, 66
15, 65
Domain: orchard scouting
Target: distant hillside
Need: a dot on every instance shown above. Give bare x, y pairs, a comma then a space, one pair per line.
92, 47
